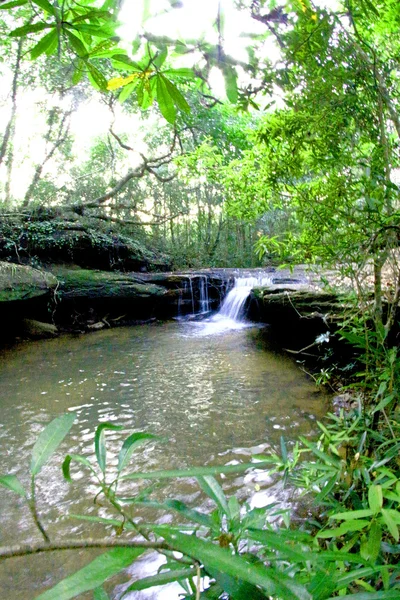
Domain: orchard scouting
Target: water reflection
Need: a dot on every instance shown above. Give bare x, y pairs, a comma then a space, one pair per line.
213, 400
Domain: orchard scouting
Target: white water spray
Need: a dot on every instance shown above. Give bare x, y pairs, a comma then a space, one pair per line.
231, 313
233, 304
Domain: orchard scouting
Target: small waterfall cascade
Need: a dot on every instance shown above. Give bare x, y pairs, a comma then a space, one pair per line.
203, 295
234, 302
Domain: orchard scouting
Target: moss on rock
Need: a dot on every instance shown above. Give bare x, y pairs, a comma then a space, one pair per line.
19, 282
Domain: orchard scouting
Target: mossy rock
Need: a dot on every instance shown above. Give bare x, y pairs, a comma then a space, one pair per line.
61, 241
19, 282
86, 283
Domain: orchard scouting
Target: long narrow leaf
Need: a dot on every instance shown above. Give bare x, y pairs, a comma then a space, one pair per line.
13, 483
100, 443
92, 575
161, 579
49, 440
129, 446
221, 559
197, 471
211, 487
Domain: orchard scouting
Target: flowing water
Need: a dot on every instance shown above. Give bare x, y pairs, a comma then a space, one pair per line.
215, 395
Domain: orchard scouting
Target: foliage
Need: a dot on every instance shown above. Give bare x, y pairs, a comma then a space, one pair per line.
349, 549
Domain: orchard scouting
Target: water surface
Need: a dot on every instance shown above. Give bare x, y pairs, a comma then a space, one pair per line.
214, 399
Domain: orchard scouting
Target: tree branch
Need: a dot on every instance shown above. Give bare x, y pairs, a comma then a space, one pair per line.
38, 548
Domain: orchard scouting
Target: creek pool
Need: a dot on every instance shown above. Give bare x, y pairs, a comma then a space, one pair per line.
214, 399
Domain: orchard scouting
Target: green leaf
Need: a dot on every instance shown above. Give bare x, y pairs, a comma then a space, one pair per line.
97, 78
77, 45
321, 585
12, 483
328, 487
230, 77
221, 559
45, 44
344, 528
100, 594
160, 58
211, 487
375, 498
79, 71
105, 31
197, 471
161, 579
274, 542
182, 73
391, 525
92, 575
372, 546
235, 588
30, 28
176, 95
384, 402
93, 14
49, 440
189, 513
100, 444
127, 91
13, 4
67, 464
343, 581
45, 4
352, 514
386, 595
129, 446
368, 6
165, 101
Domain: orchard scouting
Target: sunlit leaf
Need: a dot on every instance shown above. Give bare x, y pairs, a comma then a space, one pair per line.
127, 91
165, 101
117, 82
391, 525
77, 45
352, 514
49, 440
45, 4
30, 28
47, 43
79, 71
176, 95
344, 528
159, 60
375, 498
230, 77
97, 77
13, 4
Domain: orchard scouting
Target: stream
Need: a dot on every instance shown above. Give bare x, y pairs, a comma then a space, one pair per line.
212, 390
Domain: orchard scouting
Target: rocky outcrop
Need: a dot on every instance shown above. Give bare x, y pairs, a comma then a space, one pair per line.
298, 314
19, 282
60, 241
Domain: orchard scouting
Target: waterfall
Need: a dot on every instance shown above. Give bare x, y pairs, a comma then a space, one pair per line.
234, 302
203, 293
